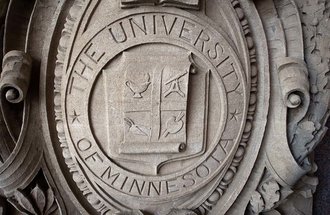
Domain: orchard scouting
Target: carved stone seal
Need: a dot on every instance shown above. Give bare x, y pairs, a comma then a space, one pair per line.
151, 108
162, 107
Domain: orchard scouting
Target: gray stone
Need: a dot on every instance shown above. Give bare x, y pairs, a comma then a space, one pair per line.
163, 107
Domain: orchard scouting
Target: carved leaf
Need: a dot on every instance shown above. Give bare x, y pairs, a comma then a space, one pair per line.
39, 198
257, 203
24, 202
37, 202
50, 206
304, 134
315, 20
270, 193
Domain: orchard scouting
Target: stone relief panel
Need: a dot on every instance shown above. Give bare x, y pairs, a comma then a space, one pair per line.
190, 74
163, 107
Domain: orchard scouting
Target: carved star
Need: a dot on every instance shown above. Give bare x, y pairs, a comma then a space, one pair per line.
234, 115
75, 117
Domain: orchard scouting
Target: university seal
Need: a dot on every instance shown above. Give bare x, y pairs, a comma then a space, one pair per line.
162, 107
153, 107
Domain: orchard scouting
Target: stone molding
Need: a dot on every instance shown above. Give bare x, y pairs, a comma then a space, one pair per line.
219, 149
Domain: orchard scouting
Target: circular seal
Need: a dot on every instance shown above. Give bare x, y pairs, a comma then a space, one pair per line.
151, 109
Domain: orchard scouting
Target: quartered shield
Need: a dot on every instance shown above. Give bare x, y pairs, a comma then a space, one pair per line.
153, 127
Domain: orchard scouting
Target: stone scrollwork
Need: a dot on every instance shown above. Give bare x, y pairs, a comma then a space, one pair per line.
294, 82
295, 74
15, 76
22, 162
21, 152
292, 85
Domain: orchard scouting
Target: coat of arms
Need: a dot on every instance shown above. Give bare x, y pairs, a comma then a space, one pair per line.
154, 110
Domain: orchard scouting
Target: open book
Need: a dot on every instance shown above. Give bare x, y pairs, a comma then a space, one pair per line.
190, 4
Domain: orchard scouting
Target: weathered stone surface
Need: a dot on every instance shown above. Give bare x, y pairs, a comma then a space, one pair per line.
165, 107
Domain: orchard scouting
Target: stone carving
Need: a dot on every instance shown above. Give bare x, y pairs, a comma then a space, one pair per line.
160, 129
189, 4
15, 76
37, 202
167, 107
267, 195
138, 88
21, 158
284, 199
137, 129
294, 82
314, 16
279, 155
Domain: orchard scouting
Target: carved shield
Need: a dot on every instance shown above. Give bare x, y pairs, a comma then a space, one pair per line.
154, 109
